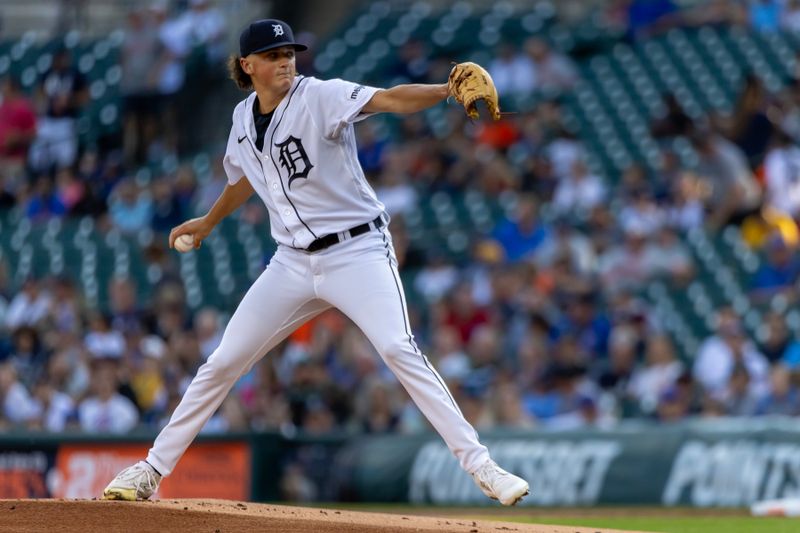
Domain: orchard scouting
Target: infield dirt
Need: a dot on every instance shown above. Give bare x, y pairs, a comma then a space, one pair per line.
223, 516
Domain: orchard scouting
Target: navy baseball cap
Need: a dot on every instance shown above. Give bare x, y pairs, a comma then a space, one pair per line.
266, 34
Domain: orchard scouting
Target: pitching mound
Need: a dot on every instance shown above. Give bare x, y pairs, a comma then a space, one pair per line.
222, 516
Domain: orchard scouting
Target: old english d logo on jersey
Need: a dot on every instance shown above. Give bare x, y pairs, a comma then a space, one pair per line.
293, 158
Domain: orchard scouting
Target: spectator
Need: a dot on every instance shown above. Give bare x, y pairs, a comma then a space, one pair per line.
436, 278
507, 408
739, 398
642, 213
57, 408
673, 122
66, 309
570, 408
175, 42
487, 258
616, 372
68, 370
783, 397
486, 359
791, 357
658, 375
782, 175
167, 210
138, 57
378, 411
185, 187
207, 26
62, 94
102, 341
724, 169
208, 329
672, 256
586, 324
229, 417
562, 152
393, 188
578, 192
447, 349
17, 129
512, 71
778, 273
8, 197
371, 148
686, 210
521, 235
777, 341
750, 128
461, 312
785, 113
720, 353
765, 15
673, 406
126, 316
147, 381
767, 225
552, 70
790, 20
210, 189
566, 240
16, 403
106, 411
44, 202
629, 264
27, 355
413, 63
131, 209
29, 306
70, 192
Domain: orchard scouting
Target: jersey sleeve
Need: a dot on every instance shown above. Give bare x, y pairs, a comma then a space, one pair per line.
232, 161
337, 103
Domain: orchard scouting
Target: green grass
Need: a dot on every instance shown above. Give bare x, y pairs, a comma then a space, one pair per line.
632, 518
675, 524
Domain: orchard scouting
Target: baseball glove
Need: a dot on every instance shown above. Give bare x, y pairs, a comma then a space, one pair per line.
468, 83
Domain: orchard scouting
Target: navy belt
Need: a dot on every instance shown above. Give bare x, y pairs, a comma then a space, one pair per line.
336, 238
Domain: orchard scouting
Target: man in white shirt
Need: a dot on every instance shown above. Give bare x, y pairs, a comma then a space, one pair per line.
106, 411
782, 175
720, 354
292, 142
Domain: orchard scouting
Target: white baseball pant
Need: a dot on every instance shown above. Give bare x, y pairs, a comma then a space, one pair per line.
359, 277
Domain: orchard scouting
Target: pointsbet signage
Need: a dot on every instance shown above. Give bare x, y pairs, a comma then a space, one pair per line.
732, 473
560, 472
701, 466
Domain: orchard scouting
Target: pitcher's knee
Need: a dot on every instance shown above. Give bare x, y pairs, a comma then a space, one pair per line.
224, 367
395, 351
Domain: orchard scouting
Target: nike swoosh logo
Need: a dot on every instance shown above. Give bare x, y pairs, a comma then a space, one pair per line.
243, 138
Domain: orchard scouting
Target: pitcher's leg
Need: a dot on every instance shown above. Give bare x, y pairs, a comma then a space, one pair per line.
275, 305
380, 311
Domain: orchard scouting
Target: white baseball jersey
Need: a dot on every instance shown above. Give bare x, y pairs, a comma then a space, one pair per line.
308, 173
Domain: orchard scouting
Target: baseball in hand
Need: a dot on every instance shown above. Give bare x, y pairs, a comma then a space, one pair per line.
184, 243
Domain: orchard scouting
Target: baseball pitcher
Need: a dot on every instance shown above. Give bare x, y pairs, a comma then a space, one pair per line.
292, 143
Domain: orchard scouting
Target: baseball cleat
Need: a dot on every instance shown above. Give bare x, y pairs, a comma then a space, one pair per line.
500, 485
137, 482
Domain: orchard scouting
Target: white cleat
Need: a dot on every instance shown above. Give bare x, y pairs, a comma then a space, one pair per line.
137, 482
500, 485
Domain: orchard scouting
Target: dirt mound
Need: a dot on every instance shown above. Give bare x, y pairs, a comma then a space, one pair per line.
222, 516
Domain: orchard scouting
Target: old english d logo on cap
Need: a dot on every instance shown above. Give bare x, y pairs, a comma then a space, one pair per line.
266, 34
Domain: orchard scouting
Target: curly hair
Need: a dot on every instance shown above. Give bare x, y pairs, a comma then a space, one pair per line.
238, 75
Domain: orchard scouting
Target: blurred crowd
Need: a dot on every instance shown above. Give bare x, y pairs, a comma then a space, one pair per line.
640, 19
544, 326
